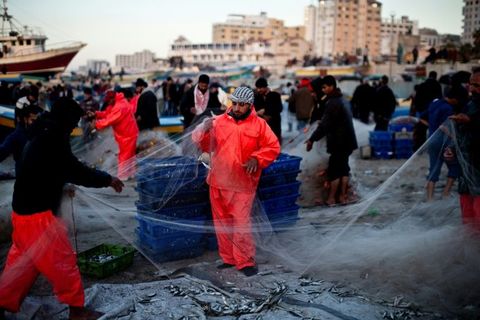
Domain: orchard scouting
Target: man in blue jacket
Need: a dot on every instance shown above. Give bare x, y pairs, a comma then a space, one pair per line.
15, 141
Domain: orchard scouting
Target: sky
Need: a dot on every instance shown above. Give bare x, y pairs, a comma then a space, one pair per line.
111, 27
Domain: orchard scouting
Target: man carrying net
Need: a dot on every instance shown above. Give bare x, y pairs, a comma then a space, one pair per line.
241, 144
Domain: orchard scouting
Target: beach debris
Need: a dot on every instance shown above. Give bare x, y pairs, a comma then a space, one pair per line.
122, 310
229, 306
309, 282
402, 315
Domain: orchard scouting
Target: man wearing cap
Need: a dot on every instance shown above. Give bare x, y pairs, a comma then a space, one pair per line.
269, 106
120, 117
145, 106
40, 242
241, 144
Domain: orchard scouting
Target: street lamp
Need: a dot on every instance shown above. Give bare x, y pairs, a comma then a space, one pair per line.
392, 15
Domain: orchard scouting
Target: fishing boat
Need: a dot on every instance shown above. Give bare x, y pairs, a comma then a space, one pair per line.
24, 51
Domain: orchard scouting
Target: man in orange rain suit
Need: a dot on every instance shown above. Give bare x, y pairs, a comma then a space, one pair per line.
40, 242
125, 129
241, 145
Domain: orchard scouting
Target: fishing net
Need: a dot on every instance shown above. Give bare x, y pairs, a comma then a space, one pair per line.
388, 241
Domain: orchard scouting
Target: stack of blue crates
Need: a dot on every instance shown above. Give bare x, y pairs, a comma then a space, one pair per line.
173, 208
381, 143
278, 191
403, 140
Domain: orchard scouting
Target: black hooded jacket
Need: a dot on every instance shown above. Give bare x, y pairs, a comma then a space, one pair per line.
47, 163
336, 124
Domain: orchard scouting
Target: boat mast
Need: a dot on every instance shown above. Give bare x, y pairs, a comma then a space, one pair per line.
11, 29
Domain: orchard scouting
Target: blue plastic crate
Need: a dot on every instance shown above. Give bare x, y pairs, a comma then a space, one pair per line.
404, 149
403, 155
150, 202
380, 135
279, 204
284, 163
211, 242
173, 167
278, 179
282, 223
402, 143
279, 191
175, 242
148, 225
383, 154
171, 255
380, 143
403, 152
158, 187
189, 211
291, 211
400, 127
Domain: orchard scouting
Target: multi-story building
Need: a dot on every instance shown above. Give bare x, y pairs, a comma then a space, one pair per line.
240, 28
346, 26
429, 38
310, 19
97, 66
272, 53
139, 60
471, 19
392, 29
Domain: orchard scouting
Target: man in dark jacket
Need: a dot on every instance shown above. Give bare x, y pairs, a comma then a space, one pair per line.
384, 106
146, 114
15, 141
303, 102
40, 241
199, 101
170, 94
468, 154
268, 105
337, 125
426, 92
363, 98
88, 104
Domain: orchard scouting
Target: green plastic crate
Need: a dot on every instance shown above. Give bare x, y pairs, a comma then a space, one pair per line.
122, 258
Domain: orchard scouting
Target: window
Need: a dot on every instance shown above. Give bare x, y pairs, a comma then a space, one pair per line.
20, 42
29, 42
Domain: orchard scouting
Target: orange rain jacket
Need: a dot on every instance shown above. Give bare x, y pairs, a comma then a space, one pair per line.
233, 143
120, 117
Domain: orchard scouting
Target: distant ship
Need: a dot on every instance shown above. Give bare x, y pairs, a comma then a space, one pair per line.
22, 51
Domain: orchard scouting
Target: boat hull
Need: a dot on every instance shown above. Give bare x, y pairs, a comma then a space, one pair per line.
48, 62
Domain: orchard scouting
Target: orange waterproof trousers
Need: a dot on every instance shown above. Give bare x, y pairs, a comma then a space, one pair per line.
40, 245
231, 213
126, 158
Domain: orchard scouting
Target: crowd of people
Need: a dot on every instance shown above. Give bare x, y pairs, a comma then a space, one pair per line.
242, 134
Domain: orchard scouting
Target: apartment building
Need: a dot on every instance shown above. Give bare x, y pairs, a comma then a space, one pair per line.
471, 19
344, 26
241, 28
139, 60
